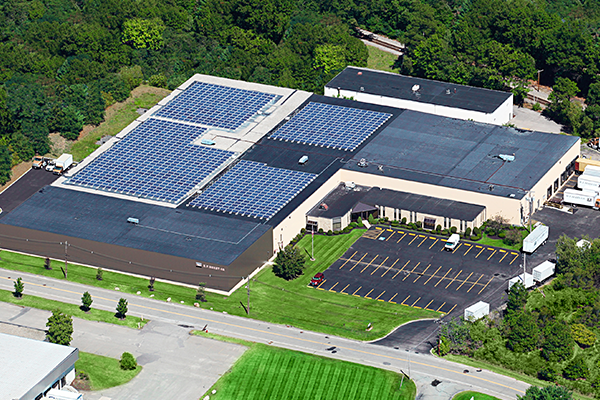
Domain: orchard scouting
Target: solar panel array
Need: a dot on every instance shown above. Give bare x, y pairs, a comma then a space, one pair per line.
217, 106
253, 189
155, 161
331, 126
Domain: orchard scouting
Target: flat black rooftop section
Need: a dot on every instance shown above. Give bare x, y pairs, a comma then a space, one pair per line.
397, 86
342, 200
462, 154
178, 232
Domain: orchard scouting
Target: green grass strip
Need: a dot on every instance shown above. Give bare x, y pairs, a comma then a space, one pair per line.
70, 309
473, 395
103, 372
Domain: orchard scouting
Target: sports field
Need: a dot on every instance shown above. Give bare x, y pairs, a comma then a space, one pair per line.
265, 372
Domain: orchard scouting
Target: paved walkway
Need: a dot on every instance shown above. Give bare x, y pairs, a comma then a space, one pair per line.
424, 368
176, 365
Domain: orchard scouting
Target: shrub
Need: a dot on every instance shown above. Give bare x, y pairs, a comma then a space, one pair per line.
558, 345
128, 361
353, 225
122, 309
320, 231
582, 335
475, 238
438, 228
476, 231
490, 232
159, 80
336, 232
60, 328
18, 284
453, 229
502, 234
395, 223
513, 237
443, 346
445, 232
86, 301
329, 232
549, 373
412, 226
536, 106
467, 232
99, 273
403, 221
47, 264
359, 221
201, 293
576, 369
302, 231
371, 219
346, 229
289, 262
418, 224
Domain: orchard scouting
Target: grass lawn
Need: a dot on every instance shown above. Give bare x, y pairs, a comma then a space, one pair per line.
103, 372
265, 372
474, 395
70, 309
272, 299
381, 60
124, 115
485, 240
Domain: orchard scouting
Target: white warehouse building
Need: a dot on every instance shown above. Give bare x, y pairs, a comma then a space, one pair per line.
424, 95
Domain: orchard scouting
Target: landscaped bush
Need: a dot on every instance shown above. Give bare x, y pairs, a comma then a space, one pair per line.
336, 232
412, 226
438, 228
502, 234
490, 232
418, 224
359, 221
329, 232
404, 221
582, 335
467, 232
453, 229
513, 237
395, 223
346, 229
445, 232
476, 231
549, 373
475, 238
353, 225
320, 231
128, 361
302, 231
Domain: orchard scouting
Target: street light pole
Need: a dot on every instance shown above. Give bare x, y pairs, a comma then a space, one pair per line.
538, 72
66, 258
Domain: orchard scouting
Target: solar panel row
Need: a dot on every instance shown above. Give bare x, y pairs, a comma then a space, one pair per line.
215, 105
331, 126
253, 189
155, 161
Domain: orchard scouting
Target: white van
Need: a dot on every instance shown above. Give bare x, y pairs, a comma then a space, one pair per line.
452, 242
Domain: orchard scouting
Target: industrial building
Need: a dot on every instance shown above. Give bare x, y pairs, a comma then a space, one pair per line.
425, 95
213, 181
30, 368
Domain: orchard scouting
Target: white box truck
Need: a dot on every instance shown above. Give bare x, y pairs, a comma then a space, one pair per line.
592, 170
62, 164
543, 271
452, 242
535, 239
588, 182
56, 394
582, 198
527, 282
476, 311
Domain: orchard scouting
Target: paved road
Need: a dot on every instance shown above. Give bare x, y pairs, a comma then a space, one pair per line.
423, 368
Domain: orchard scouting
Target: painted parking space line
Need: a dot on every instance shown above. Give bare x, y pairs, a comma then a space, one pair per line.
401, 238
416, 301
425, 308
331, 288
440, 307
377, 298
457, 247
513, 260
443, 277
401, 269
379, 266
436, 240
485, 286
503, 255
470, 247
342, 266
390, 300
451, 309
367, 295
320, 284
388, 238
459, 272
407, 275
481, 251
422, 273
422, 242
415, 238
476, 282
388, 270
342, 291
436, 271
492, 255
405, 300
358, 262
367, 266
466, 280
354, 294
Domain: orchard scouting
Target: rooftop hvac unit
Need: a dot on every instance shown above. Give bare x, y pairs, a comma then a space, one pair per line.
208, 142
416, 88
134, 221
350, 185
303, 160
363, 163
507, 157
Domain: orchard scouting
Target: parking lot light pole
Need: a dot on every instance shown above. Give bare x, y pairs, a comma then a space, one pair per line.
312, 257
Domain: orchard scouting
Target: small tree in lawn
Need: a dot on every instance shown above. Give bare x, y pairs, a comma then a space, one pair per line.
200, 294
128, 361
122, 308
60, 328
99, 273
289, 263
86, 301
18, 293
47, 263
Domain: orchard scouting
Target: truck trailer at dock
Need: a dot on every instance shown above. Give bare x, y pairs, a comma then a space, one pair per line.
543, 271
536, 239
582, 198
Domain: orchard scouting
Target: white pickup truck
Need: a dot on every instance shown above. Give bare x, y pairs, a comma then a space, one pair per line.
452, 242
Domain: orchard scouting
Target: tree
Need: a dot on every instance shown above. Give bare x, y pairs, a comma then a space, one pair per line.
128, 362
200, 294
99, 273
86, 301
330, 58
5, 165
289, 263
576, 369
546, 393
60, 328
144, 33
18, 293
523, 332
563, 90
582, 335
517, 298
122, 308
558, 344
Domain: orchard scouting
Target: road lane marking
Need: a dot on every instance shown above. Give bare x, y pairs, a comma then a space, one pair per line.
379, 265
459, 272
390, 300
388, 238
405, 300
342, 291
470, 247
463, 282
485, 286
457, 372
436, 240
443, 277
369, 263
492, 255
367, 295
422, 242
358, 262
476, 282
513, 260
407, 275
401, 269
481, 251
422, 273
425, 308
436, 271
348, 259
387, 270
331, 288
458, 247
503, 256
415, 238
413, 304
353, 294
401, 238
377, 298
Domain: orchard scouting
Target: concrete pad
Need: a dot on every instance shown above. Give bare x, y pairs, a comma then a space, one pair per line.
525, 118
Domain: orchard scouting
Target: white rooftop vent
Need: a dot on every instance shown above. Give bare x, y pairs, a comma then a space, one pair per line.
507, 157
363, 163
134, 221
362, 89
447, 91
416, 88
303, 160
208, 142
350, 185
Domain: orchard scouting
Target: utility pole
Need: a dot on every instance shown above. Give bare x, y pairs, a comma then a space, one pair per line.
538, 72
248, 286
66, 258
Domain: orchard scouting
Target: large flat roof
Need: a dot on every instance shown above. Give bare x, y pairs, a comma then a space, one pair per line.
179, 232
28, 365
397, 86
461, 154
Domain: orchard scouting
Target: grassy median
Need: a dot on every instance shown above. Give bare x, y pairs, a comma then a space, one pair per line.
103, 372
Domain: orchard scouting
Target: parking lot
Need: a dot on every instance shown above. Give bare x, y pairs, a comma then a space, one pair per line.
412, 268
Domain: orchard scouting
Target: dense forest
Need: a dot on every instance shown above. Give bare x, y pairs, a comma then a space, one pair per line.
62, 62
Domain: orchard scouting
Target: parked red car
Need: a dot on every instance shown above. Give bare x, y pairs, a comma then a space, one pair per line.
317, 279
